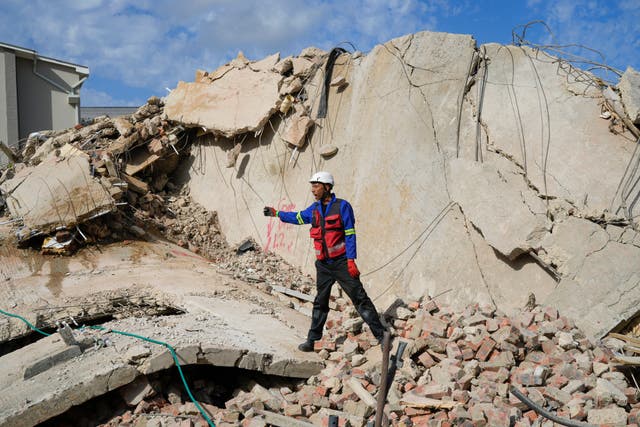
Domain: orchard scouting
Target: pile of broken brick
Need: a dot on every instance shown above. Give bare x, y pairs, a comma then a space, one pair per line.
68, 187
458, 370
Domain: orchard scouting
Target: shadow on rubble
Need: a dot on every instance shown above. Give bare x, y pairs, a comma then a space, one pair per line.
233, 154
165, 398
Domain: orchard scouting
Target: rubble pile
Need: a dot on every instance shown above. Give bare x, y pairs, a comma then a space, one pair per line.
122, 167
114, 168
457, 370
191, 226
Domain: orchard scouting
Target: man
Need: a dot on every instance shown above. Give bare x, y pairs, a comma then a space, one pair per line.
334, 239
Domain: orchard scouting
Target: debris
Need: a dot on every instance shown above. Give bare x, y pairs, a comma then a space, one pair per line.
240, 101
59, 192
339, 82
8, 152
297, 129
247, 245
328, 151
286, 104
629, 87
232, 155
452, 388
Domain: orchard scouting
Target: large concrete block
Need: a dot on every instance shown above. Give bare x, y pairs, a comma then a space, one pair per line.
629, 87
240, 101
604, 291
546, 119
294, 368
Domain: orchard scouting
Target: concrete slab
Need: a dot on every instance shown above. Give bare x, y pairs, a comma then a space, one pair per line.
494, 203
197, 338
603, 292
60, 191
547, 121
240, 101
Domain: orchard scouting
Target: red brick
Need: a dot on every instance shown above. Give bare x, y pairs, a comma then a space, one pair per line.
413, 412
473, 345
420, 420
558, 381
485, 349
426, 360
464, 383
549, 347
358, 372
467, 353
429, 306
322, 391
324, 344
453, 351
434, 326
434, 391
460, 396
531, 415
498, 417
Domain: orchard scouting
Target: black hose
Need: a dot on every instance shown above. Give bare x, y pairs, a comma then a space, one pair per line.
328, 70
541, 411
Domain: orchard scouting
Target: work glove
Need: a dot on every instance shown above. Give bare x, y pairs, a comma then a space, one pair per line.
353, 268
269, 211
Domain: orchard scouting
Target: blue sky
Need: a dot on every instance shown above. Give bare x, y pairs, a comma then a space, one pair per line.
136, 49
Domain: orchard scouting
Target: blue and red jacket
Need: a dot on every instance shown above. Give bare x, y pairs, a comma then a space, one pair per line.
332, 227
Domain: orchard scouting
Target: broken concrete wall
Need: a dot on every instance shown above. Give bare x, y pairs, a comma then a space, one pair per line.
538, 114
425, 223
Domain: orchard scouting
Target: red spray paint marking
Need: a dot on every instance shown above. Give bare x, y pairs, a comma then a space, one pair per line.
280, 234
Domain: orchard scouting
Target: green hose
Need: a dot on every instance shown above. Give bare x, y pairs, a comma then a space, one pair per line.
175, 359
25, 321
128, 334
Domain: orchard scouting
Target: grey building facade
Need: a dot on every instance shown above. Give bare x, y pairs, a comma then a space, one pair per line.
36, 93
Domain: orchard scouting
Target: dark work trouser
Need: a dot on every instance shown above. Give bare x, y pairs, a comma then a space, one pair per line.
327, 275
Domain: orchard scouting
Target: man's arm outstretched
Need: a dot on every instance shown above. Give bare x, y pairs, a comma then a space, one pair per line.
301, 217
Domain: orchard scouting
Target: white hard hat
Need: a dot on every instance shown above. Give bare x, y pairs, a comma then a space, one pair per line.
322, 177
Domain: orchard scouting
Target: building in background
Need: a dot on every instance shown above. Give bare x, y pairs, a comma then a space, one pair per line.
87, 114
36, 93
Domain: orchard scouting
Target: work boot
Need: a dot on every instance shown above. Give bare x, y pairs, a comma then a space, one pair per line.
306, 346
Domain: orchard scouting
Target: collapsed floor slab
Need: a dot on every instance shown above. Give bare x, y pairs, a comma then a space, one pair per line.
219, 339
227, 323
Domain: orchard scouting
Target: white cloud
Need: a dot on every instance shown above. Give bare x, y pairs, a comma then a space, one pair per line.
153, 44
